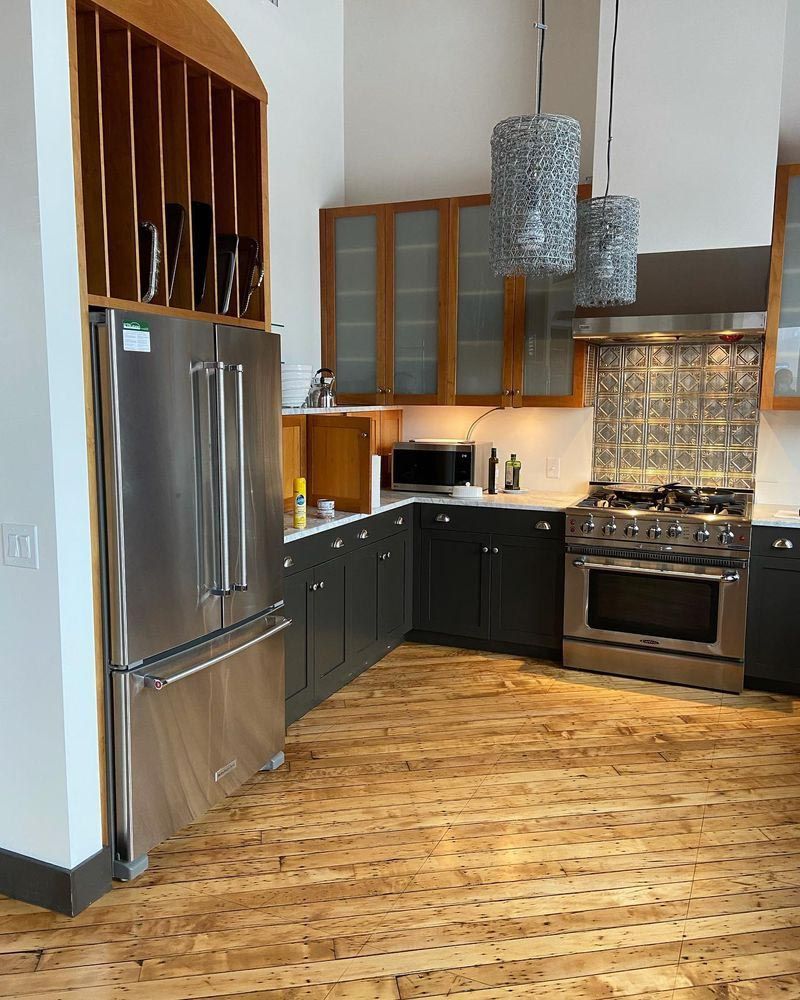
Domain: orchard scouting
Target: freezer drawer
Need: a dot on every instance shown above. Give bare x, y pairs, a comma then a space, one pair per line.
190, 729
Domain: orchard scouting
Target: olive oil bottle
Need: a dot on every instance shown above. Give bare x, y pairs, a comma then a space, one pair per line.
494, 472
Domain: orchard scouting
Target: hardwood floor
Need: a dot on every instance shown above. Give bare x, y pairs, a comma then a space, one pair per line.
472, 825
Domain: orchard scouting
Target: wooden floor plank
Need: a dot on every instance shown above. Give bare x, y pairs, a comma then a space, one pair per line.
472, 825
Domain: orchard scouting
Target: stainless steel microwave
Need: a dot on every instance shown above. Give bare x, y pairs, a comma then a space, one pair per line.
436, 465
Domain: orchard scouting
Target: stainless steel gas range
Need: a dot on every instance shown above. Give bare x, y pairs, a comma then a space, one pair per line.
656, 584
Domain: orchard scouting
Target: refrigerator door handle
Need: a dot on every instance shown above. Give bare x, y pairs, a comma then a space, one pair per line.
222, 462
239, 372
160, 678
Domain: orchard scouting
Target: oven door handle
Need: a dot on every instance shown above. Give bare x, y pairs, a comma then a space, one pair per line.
731, 577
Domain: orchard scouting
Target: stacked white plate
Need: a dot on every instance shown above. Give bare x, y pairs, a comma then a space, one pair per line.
295, 383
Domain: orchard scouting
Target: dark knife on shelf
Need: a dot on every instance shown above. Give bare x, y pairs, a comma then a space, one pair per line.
202, 226
149, 259
176, 222
251, 270
227, 248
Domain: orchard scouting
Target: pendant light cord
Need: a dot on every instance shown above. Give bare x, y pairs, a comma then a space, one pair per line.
611, 97
542, 28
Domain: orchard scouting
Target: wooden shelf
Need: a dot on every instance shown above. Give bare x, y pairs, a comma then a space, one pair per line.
162, 137
106, 302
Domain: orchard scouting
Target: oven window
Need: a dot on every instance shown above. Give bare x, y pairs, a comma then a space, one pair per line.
661, 607
424, 468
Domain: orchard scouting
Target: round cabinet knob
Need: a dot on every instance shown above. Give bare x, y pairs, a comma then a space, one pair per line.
495, 550
610, 528
484, 549
632, 529
675, 530
655, 531
702, 535
321, 584
726, 535
588, 526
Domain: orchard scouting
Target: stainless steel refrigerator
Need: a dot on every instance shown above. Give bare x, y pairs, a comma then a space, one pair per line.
189, 453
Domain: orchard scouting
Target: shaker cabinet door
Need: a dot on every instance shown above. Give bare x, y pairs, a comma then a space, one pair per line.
454, 583
527, 591
298, 646
394, 580
773, 624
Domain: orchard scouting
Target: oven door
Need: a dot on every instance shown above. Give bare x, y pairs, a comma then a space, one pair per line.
673, 606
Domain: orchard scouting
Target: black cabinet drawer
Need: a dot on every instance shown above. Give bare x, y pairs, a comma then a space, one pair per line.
379, 526
527, 523
316, 549
776, 542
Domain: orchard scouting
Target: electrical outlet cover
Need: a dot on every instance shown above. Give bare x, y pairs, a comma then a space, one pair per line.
553, 468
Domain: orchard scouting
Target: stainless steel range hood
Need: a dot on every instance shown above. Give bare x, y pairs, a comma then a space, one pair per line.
687, 295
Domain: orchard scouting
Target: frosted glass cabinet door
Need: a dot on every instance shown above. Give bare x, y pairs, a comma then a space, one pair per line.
787, 355
548, 352
356, 303
416, 290
480, 312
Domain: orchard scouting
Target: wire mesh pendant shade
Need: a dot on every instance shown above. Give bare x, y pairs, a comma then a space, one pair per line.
532, 219
608, 245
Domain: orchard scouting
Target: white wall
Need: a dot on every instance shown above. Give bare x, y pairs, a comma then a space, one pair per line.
696, 112
535, 435
297, 48
49, 781
426, 82
789, 141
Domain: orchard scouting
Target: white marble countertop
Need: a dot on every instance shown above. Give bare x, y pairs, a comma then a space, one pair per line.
320, 411
776, 515
391, 500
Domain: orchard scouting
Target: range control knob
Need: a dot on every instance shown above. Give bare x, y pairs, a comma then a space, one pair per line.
702, 534
588, 526
655, 531
726, 535
675, 530
610, 527
632, 529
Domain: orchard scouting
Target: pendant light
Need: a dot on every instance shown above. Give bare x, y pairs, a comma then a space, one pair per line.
535, 170
608, 233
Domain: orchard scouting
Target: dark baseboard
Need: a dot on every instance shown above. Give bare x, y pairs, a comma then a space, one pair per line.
486, 645
753, 683
64, 890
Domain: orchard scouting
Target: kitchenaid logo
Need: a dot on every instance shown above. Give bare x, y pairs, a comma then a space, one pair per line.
650, 642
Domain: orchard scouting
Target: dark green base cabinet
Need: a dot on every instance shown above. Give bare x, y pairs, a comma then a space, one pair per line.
772, 659
348, 592
494, 577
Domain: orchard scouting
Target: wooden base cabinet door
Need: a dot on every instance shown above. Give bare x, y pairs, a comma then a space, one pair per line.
298, 647
362, 607
527, 594
773, 623
454, 583
394, 587
330, 626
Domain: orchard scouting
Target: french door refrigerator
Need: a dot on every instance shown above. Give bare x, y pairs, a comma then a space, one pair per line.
189, 453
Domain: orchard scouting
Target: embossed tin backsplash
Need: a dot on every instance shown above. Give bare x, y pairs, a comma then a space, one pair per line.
677, 413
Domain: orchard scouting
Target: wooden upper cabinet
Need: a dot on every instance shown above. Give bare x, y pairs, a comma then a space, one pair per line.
353, 262
781, 379
340, 450
416, 301
169, 117
412, 312
481, 316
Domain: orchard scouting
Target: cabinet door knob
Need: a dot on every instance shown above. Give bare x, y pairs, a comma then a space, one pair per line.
543, 526
314, 586
484, 549
363, 534
495, 550
321, 584
288, 562
442, 518
783, 543
337, 543
400, 520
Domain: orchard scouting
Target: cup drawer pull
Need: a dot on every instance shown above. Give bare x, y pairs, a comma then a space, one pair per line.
543, 526
783, 543
288, 562
442, 518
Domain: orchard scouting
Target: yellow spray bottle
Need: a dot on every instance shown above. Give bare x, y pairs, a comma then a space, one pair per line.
300, 503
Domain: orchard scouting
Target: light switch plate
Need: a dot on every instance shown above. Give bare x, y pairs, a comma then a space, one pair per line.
21, 545
553, 468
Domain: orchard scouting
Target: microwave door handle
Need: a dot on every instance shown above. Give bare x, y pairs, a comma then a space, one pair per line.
730, 577
242, 460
